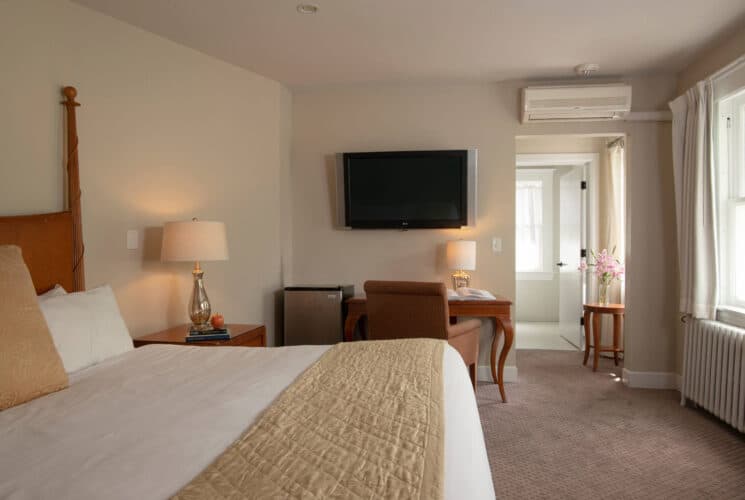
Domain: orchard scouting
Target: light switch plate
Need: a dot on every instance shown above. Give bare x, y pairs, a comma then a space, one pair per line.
496, 245
132, 239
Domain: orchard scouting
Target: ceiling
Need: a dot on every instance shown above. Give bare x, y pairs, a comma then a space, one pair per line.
396, 40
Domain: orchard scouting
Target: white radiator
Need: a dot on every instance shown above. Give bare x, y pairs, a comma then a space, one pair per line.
714, 370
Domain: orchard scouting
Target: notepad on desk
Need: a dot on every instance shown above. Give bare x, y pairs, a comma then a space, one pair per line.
469, 294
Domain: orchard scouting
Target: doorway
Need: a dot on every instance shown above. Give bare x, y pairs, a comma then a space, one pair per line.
559, 220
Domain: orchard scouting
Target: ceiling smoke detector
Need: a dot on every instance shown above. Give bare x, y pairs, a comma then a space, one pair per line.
587, 70
307, 8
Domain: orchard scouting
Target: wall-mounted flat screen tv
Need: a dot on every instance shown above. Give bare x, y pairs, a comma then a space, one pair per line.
407, 189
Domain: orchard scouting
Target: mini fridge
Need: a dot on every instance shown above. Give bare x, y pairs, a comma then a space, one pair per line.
315, 314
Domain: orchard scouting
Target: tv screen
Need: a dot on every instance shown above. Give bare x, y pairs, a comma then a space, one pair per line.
406, 189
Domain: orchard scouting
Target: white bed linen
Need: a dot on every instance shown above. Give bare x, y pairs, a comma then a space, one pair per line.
143, 424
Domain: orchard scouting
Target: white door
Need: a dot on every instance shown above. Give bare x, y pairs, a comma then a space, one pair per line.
571, 237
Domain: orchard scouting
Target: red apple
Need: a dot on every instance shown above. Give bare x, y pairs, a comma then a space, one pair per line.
217, 321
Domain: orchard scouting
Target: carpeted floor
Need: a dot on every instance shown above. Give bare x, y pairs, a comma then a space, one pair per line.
570, 433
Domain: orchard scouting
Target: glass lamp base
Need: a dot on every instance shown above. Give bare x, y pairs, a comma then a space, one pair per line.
199, 305
461, 280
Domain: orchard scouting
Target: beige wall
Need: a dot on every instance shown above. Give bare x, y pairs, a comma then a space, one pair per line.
285, 188
727, 50
166, 133
559, 144
380, 117
485, 116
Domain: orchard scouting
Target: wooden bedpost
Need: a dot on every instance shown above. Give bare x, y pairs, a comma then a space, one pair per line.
73, 189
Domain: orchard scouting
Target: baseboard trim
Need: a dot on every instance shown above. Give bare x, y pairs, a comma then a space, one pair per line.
484, 373
651, 380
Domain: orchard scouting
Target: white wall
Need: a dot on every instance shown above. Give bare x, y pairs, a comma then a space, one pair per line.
410, 116
166, 133
537, 297
538, 300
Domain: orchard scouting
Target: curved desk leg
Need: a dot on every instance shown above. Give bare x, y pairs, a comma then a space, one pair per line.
588, 337
493, 358
509, 337
349, 324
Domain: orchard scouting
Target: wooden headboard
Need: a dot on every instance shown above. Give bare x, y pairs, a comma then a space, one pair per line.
52, 244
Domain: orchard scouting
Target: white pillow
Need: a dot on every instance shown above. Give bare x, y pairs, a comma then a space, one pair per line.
54, 292
86, 327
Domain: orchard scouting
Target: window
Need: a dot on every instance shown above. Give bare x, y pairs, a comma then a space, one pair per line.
731, 195
534, 222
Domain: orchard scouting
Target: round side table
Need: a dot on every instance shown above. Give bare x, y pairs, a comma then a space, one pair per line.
593, 312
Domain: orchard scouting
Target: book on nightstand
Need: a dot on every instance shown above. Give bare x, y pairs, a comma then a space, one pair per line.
213, 334
464, 293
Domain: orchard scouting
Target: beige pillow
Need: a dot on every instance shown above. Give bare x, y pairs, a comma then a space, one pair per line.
29, 364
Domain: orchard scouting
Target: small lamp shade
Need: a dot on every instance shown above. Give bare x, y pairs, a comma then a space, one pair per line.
461, 255
194, 241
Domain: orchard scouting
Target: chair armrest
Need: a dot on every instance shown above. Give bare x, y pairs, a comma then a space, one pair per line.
459, 329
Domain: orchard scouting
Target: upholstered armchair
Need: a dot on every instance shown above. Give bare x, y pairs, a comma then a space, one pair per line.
409, 309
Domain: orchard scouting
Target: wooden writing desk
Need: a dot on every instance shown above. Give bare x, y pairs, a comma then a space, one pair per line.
498, 309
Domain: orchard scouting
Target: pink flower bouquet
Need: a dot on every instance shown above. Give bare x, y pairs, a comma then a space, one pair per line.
607, 267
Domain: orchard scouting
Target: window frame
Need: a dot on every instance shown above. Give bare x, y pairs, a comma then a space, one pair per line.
730, 168
546, 176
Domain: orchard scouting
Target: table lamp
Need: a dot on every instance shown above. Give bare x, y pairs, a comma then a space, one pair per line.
461, 257
195, 241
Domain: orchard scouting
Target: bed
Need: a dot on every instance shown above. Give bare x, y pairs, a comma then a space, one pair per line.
147, 423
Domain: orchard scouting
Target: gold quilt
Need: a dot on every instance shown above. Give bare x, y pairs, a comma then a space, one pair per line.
365, 421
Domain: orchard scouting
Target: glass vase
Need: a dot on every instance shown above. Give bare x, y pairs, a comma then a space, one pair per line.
603, 292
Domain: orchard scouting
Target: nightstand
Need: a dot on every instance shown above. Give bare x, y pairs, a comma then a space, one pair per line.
243, 335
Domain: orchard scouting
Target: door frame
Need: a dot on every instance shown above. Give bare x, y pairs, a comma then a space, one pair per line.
591, 162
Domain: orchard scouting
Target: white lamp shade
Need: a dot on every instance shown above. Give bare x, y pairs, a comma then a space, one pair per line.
194, 241
461, 255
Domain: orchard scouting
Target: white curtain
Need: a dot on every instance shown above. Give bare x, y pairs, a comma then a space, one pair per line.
616, 212
616, 189
529, 225
693, 169
612, 224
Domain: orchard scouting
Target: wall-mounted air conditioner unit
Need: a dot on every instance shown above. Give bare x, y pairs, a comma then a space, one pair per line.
576, 103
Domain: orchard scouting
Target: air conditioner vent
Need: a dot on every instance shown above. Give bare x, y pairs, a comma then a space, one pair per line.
576, 103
